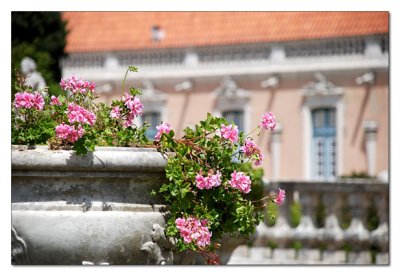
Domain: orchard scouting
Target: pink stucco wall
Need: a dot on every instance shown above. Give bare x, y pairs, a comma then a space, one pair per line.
188, 108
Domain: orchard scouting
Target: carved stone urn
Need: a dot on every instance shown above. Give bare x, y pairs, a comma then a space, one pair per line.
94, 209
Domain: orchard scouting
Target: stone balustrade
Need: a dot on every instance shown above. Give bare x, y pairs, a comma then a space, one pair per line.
345, 221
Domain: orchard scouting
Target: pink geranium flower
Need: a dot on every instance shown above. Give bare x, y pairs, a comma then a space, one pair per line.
163, 128
23, 100
76, 85
69, 133
115, 112
194, 230
208, 182
38, 101
251, 150
55, 100
133, 104
230, 133
29, 100
76, 113
280, 197
240, 181
268, 121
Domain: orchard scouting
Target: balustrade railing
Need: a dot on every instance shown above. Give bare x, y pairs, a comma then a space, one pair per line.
348, 216
262, 52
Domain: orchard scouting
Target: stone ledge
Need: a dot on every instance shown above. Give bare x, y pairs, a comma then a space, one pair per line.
103, 159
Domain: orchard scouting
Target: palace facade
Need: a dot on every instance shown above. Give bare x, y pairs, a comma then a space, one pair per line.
325, 76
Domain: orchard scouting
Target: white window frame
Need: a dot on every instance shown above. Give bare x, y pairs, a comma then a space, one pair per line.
322, 94
153, 100
229, 97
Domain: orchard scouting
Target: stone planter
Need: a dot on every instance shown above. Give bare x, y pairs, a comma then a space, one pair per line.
92, 209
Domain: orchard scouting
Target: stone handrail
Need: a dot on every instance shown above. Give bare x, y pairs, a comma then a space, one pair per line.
357, 196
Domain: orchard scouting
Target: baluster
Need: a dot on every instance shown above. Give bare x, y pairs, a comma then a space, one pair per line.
380, 236
281, 232
332, 234
306, 231
357, 234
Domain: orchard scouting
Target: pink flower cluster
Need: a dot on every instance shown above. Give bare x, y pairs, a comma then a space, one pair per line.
55, 101
78, 114
240, 181
69, 133
115, 112
162, 128
133, 104
268, 121
208, 182
76, 85
230, 133
280, 197
250, 149
192, 229
29, 100
135, 108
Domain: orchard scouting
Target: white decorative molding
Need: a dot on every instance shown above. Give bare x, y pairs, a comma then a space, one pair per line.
271, 82
321, 87
361, 52
153, 100
241, 67
367, 78
276, 135
370, 131
322, 94
229, 97
184, 86
191, 58
278, 53
373, 46
111, 62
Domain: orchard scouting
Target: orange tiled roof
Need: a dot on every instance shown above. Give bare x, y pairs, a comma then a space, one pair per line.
114, 31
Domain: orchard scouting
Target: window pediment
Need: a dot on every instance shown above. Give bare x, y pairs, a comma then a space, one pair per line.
321, 87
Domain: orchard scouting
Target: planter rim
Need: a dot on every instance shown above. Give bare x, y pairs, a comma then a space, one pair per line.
97, 148
102, 159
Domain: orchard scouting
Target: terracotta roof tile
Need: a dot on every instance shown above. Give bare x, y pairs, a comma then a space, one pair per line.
115, 31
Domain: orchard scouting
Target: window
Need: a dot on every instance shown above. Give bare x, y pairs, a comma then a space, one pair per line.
323, 143
236, 117
154, 119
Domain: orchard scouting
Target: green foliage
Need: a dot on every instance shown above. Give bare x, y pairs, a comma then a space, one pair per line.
272, 214
297, 245
227, 210
112, 132
31, 127
295, 214
355, 174
372, 219
320, 213
41, 36
345, 215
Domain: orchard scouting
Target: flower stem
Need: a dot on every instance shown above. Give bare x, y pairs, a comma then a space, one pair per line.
253, 131
123, 82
